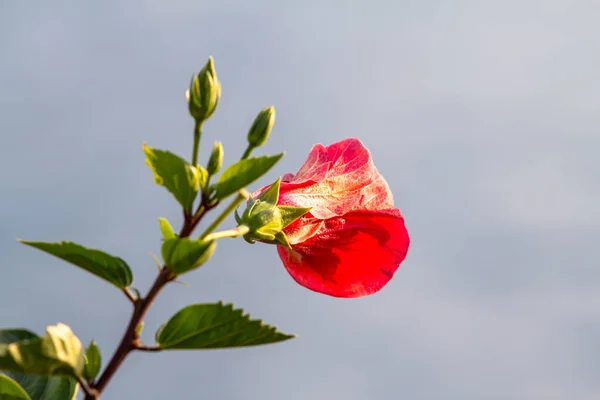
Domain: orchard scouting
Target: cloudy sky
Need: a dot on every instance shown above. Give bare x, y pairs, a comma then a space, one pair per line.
482, 116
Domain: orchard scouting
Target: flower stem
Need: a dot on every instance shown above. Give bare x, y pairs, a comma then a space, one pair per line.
130, 339
242, 195
197, 134
247, 152
87, 389
130, 295
230, 233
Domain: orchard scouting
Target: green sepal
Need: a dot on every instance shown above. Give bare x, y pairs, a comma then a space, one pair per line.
290, 214
271, 195
281, 238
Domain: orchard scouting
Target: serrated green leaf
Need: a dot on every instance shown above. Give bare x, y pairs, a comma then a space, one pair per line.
271, 195
175, 174
243, 173
99, 263
166, 228
290, 214
93, 361
184, 254
215, 326
11, 390
38, 387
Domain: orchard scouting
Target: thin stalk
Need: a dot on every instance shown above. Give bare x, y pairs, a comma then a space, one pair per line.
130, 339
226, 212
127, 343
247, 152
230, 233
87, 389
197, 134
130, 295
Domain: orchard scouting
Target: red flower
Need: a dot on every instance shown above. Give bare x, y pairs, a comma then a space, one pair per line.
353, 240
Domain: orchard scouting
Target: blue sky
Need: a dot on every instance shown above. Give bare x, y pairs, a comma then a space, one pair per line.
482, 116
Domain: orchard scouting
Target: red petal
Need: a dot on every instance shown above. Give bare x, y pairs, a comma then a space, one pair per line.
335, 180
351, 256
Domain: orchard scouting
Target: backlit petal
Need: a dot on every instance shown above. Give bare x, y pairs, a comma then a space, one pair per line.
337, 179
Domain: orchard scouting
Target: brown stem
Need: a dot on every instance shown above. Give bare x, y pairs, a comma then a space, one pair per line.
130, 339
192, 222
87, 389
127, 344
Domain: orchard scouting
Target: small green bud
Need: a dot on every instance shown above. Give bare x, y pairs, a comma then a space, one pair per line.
203, 176
93, 361
262, 126
216, 159
204, 93
266, 220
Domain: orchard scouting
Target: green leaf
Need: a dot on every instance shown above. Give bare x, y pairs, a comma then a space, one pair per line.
184, 254
215, 326
99, 263
38, 387
166, 229
243, 173
11, 390
58, 353
271, 195
93, 361
175, 174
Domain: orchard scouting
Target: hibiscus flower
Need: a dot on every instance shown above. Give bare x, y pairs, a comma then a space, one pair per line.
352, 240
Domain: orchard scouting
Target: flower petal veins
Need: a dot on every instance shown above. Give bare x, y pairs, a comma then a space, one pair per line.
353, 240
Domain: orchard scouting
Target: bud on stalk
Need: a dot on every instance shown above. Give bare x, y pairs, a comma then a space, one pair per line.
266, 220
215, 162
262, 126
204, 93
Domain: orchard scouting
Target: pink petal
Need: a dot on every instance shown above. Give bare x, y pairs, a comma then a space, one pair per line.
335, 180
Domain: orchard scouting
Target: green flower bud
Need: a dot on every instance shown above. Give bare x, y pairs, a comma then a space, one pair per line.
204, 93
262, 126
216, 159
266, 220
